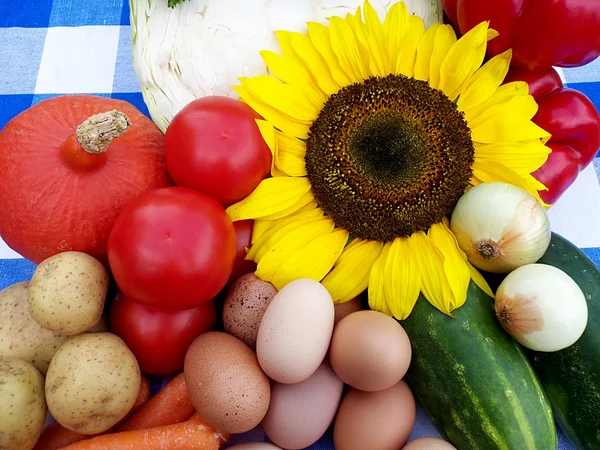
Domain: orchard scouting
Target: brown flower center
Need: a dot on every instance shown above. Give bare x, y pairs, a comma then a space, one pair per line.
388, 156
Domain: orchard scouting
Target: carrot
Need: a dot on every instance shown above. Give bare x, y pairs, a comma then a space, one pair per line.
56, 436
192, 434
169, 406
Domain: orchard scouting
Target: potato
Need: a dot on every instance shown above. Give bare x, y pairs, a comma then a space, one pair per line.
67, 292
22, 404
92, 382
21, 337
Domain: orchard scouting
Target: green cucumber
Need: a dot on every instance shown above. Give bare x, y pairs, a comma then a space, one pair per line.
474, 381
571, 377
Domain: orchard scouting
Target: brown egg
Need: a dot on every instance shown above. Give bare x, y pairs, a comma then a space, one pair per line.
245, 305
381, 420
343, 309
225, 382
369, 351
429, 443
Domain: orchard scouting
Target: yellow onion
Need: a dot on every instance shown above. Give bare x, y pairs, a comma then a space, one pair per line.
541, 307
500, 227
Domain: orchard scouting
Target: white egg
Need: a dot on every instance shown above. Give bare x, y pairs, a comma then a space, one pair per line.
295, 331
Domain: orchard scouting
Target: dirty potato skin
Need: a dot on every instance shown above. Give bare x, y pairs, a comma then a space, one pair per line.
67, 292
21, 337
92, 382
22, 404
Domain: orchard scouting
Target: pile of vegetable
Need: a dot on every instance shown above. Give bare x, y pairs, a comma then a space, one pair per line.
141, 273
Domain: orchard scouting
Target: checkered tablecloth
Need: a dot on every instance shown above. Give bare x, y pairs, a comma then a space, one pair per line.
49, 48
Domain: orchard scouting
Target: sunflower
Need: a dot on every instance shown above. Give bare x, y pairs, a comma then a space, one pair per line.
376, 130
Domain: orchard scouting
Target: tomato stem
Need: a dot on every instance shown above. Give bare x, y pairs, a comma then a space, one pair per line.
97, 132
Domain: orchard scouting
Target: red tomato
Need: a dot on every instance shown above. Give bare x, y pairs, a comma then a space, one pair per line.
172, 248
159, 338
213, 145
243, 234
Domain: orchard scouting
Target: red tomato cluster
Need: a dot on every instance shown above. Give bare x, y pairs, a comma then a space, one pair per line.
172, 250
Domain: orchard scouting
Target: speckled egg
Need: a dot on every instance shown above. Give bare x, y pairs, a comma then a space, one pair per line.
245, 305
294, 334
226, 385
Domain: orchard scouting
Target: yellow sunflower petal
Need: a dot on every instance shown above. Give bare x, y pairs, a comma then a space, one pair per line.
271, 196
480, 281
358, 28
293, 74
290, 155
268, 237
290, 243
431, 51
283, 97
315, 62
267, 132
483, 83
289, 42
345, 46
463, 59
259, 228
319, 36
280, 120
313, 260
369, 58
405, 63
522, 107
424, 51
522, 157
503, 94
434, 284
395, 28
402, 277
487, 171
306, 199
376, 40
377, 300
507, 128
445, 40
351, 272
455, 268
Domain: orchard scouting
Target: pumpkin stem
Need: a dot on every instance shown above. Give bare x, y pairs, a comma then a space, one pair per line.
97, 132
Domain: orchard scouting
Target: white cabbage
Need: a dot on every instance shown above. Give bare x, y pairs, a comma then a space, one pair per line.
201, 47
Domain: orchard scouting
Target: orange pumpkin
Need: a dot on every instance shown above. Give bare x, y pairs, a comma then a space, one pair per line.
68, 166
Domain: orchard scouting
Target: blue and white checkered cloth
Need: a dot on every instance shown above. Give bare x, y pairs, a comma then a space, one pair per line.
49, 48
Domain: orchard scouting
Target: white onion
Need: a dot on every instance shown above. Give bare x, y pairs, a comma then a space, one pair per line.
541, 307
500, 227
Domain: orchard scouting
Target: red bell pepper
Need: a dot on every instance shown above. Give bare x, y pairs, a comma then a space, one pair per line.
542, 33
572, 120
